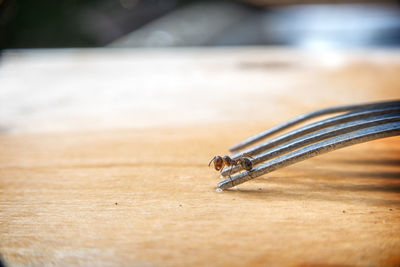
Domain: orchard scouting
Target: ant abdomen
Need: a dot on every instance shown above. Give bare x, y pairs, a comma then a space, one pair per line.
246, 164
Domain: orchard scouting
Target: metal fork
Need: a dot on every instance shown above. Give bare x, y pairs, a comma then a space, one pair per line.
360, 124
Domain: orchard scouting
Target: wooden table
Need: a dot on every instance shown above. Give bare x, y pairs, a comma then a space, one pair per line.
104, 159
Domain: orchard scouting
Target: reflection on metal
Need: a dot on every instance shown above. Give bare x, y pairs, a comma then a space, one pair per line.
375, 109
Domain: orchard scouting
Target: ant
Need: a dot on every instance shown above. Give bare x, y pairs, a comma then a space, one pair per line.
221, 162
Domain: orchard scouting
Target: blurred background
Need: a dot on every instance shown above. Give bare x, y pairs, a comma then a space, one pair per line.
148, 23
133, 63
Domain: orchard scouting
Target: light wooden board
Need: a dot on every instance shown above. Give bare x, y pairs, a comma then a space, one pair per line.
143, 194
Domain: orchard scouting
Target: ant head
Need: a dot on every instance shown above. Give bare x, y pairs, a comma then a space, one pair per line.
246, 164
218, 163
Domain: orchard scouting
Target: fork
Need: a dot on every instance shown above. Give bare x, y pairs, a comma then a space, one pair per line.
358, 124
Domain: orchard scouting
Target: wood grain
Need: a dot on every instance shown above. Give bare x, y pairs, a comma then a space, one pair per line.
145, 196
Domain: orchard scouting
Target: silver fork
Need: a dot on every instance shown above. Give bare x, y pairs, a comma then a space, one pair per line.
361, 123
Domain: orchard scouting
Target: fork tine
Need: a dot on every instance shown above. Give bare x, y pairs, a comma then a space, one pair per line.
309, 116
318, 136
348, 117
331, 144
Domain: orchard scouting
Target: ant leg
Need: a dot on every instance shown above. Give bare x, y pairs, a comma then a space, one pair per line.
247, 155
229, 175
211, 161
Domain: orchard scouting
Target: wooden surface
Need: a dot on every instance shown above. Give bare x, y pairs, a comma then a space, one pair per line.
76, 189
